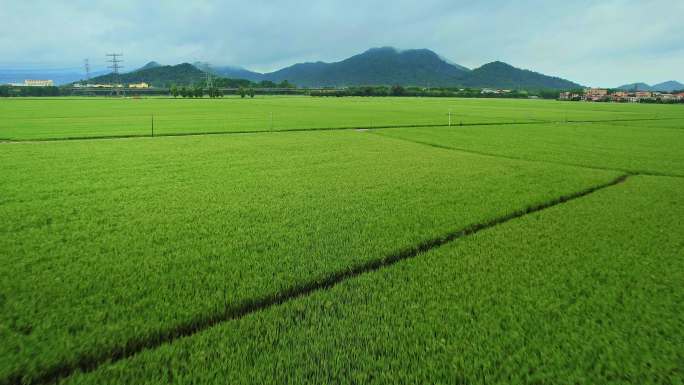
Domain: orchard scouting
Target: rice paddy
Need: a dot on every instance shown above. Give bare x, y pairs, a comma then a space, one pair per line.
527, 242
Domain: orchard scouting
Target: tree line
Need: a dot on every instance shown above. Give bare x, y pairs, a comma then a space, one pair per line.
243, 88
398, 90
20, 91
216, 92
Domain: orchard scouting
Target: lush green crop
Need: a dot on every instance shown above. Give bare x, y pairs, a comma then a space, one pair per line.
93, 117
111, 246
631, 146
587, 292
108, 244
675, 123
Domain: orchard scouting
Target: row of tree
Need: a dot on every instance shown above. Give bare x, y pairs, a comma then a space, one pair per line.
246, 84
9, 91
187, 92
398, 90
195, 91
212, 92
246, 90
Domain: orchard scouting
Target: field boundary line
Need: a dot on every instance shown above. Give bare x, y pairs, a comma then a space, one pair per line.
89, 363
314, 129
493, 155
284, 130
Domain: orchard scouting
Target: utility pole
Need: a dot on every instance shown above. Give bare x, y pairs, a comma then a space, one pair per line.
114, 59
449, 118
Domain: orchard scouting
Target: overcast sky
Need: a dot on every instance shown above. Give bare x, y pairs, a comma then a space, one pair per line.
597, 42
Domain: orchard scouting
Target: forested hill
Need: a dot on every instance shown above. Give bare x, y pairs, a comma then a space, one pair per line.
159, 76
501, 75
377, 66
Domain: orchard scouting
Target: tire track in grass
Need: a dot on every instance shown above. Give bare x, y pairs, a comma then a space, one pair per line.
133, 347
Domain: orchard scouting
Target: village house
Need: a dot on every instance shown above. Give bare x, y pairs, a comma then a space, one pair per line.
569, 96
595, 94
619, 96
601, 94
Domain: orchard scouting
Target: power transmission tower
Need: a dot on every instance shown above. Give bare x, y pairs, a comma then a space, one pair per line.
86, 64
114, 59
210, 81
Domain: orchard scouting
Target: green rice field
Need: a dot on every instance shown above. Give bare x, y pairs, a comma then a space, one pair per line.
340, 240
24, 119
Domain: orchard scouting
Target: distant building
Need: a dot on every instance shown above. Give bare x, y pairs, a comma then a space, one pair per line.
643, 94
38, 83
620, 96
492, 91
595, 93
105, 85
139, 85
570, 96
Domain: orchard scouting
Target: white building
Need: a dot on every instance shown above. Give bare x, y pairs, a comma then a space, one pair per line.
38, 83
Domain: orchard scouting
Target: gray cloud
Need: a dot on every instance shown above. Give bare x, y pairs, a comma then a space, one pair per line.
606, 42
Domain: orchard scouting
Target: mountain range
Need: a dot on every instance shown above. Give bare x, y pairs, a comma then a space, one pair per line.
390, 66
376, 66
668, 86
